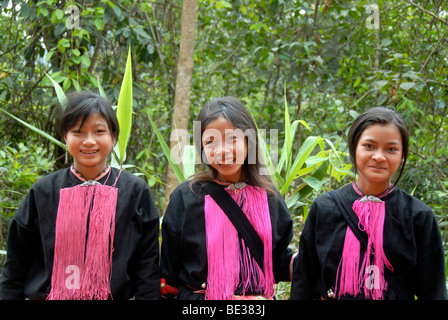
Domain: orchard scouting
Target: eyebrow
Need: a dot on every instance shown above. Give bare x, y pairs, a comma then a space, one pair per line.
373, 140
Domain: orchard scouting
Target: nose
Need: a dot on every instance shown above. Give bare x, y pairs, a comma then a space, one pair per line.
378, 156
89, 140
223, 149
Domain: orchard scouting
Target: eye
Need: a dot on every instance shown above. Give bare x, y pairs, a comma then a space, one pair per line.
368, 146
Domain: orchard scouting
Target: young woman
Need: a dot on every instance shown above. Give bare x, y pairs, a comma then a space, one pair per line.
369, 239
85, 232
203, 255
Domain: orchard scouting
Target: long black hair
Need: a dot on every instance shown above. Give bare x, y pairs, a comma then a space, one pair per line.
378, 115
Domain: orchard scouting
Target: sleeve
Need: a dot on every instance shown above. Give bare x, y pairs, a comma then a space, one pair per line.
430, 282
170, 249
306, 269
22, 244
283, 256
147, 253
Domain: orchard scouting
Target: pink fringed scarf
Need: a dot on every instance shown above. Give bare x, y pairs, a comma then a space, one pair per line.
225, 258
370, 276
85, 227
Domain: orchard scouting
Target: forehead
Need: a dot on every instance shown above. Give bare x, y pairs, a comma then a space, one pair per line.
220, 126
95, 119
382, 133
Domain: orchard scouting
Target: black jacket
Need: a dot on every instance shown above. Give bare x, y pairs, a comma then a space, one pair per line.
184, 253
412, 244
30, 244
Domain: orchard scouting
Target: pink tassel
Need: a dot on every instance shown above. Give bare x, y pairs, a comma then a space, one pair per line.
83, 271
371, 218
223, 250
370, 276
349, 266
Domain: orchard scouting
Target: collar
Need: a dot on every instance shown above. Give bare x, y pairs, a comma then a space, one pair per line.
81, 177
381, 195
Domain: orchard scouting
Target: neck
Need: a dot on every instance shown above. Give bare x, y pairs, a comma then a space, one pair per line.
372, 189
89, 173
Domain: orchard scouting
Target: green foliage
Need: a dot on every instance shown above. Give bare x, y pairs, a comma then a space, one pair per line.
20, 167
124, 109
318, 56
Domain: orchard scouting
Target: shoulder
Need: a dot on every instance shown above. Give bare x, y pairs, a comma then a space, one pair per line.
413, 209
411, 203
188, 190
56, 179
127, 179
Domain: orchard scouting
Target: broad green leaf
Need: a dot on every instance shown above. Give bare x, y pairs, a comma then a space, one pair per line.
407, 85
59, 92
100, 88
124, 109
42, 133
166, 151
304, 152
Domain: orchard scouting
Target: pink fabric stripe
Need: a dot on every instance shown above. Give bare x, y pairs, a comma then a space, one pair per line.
223, 250
80, 270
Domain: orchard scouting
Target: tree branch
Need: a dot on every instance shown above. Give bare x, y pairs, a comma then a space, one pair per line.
428, 12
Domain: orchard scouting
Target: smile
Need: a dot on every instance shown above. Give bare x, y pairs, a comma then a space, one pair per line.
226, 162
377, 168
89, 151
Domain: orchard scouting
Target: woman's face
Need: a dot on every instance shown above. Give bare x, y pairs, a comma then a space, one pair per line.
225, 148
90, 145
378, 155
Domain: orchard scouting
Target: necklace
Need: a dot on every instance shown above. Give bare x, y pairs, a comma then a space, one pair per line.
235, 186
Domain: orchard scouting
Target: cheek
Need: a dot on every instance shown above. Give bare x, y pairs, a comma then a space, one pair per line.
207, 154
71, 143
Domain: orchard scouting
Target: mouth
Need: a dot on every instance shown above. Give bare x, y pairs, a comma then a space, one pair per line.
226, 163
89, 152
377, 168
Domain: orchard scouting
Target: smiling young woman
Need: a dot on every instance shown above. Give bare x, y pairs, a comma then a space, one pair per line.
89, 231
203, 255
370, 239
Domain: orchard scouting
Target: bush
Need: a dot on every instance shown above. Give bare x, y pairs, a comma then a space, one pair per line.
20, 167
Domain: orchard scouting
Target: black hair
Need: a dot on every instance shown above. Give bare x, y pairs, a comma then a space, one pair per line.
378, 115
83, 104
233, 111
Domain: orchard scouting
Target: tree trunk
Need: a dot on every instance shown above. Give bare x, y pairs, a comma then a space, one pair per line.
181, 110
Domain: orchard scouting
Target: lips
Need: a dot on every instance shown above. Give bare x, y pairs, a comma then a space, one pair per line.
89, 152
377, 168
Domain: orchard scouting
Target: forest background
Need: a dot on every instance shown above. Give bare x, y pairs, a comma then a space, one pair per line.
305, 69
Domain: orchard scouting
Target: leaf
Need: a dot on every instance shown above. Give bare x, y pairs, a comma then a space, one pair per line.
166, 150
100, 88
407, 85
42, 133
305, 150
124, 109
59, 92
